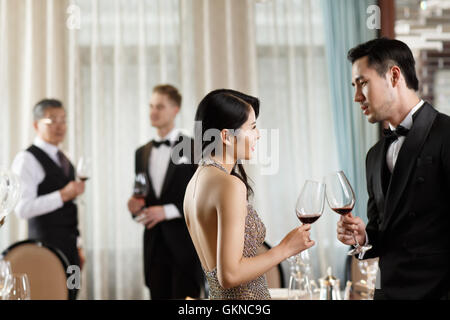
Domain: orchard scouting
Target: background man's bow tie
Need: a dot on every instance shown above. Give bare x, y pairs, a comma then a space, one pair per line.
156, 144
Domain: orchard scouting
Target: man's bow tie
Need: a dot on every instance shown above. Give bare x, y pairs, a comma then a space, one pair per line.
394, 135
156, 144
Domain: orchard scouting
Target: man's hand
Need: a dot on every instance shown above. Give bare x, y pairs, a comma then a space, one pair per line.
151, 216
135, 205
72, 190
347, 225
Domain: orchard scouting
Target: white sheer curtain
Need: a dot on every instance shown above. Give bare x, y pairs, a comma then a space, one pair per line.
293, 88
124, 49
33, 59
104, 73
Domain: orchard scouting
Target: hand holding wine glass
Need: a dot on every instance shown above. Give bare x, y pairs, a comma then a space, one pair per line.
350, 228
341, 199
310, 202
297, 240
309, 208
140, 191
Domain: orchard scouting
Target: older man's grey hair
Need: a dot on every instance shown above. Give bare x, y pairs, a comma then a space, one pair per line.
40, 107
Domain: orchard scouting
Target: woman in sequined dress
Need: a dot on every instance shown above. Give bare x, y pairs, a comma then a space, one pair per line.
224, 227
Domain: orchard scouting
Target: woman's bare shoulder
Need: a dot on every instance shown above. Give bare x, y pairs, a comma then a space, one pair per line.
223, 184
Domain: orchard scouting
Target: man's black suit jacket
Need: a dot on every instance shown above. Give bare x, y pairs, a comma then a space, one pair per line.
173, 234
409, 211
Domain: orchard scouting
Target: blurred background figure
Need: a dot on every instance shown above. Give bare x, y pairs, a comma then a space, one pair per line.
171, 266
49, 186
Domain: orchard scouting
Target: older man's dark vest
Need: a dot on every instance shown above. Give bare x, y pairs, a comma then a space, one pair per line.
61, 224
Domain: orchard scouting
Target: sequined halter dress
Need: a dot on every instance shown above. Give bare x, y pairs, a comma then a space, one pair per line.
255, 232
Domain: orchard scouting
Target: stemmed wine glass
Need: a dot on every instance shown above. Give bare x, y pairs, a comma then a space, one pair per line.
20, 287
140, 190
5, 278
310, 202
83, 171
10, 192
84, 168
341, 199
368, 268
309, 208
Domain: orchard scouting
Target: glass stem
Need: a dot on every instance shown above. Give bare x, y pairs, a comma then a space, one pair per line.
356, 241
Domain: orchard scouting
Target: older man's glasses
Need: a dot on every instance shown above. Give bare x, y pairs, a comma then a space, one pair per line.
53, 121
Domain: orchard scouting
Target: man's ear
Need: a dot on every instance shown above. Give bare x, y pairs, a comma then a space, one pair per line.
395, 76
35, 125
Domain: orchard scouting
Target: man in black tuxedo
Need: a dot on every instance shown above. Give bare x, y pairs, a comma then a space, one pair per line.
408, 177
171, 266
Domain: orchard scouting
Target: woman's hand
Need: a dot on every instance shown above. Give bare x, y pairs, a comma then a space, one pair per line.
297, 240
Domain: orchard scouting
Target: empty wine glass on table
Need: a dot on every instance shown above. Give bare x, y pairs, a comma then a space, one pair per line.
19, 288
341, 199
368, 270
309, 208
5, 278
300, 284
140, 190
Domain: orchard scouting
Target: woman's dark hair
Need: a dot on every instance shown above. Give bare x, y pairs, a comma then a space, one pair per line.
384, 53
224, 109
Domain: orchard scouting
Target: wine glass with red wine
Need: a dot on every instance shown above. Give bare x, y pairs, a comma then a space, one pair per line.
341, 199
84, 169
83, 172
140, 190
308, 209
310, 202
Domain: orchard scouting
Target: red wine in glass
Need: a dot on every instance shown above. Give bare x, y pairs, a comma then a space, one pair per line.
141, 186
308, 219
341, 199
139, 196
343, 211
140, 190
309, 206
84, 168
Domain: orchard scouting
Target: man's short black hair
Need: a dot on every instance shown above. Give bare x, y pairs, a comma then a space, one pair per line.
41, 106
385, 53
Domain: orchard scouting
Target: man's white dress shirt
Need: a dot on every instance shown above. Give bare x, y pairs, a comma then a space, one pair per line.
31, 174
396, 145
159, 162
